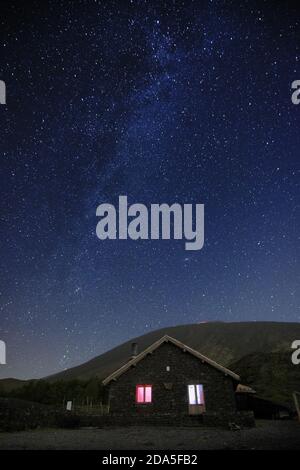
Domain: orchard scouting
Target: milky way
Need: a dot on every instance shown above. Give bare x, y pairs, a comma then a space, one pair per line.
186, 102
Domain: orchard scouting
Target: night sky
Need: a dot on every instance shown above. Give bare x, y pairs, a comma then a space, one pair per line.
186, 102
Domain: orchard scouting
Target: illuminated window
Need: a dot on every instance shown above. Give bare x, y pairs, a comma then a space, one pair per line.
196, 395
143, 393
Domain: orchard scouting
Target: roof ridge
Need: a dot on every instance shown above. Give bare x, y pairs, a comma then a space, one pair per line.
152, 347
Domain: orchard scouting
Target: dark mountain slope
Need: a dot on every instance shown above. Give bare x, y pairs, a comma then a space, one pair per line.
226, 343
271, 374
11, 384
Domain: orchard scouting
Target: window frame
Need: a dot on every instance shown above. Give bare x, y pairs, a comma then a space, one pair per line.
196, 395
144, 386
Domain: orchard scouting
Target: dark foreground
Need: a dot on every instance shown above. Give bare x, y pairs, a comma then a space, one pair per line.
267, 435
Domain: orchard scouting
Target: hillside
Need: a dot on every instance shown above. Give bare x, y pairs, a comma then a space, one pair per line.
272, 375
226, 343
11, 384
258, 351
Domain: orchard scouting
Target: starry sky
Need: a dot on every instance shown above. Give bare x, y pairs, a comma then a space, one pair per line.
162, 101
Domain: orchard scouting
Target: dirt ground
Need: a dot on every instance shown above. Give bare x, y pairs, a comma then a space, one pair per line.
266, 435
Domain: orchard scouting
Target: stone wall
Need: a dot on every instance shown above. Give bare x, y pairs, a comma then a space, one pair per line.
19, 415
169, 389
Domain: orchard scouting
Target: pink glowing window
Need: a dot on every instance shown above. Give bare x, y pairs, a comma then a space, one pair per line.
196, 394
144, 393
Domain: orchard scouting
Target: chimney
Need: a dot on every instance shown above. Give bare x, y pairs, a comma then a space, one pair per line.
134, 350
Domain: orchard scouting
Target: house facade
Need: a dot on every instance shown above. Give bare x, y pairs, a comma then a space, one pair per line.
170, 382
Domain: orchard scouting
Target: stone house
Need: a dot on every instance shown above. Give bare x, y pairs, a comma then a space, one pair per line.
171, 383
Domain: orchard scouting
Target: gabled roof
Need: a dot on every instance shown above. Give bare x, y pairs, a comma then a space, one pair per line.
154, 346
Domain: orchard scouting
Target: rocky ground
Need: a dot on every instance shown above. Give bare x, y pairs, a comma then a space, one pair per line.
266, 435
